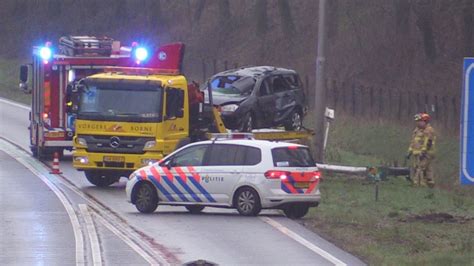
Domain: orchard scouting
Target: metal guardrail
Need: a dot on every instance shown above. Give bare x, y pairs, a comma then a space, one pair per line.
384, 170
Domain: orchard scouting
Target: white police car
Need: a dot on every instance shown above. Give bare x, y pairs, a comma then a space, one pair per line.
248, 175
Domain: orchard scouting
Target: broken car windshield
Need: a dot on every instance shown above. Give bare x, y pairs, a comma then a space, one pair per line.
233, 85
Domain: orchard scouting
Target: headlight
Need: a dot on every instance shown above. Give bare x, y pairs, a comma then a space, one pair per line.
81, 159
150, 144
81, 141
148, 161
229, 108
132, 176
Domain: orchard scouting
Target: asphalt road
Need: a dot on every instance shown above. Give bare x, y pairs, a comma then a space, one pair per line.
109, 230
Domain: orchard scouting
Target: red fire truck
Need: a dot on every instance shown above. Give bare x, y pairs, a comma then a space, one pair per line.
53, 70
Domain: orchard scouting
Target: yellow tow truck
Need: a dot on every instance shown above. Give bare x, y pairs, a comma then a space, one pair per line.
127, 118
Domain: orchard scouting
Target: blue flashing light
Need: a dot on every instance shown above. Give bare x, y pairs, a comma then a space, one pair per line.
45, 53
141, 54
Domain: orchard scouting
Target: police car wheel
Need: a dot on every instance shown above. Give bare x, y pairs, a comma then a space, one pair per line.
247, 202
146, 198
100, 179
195, 209
296, 211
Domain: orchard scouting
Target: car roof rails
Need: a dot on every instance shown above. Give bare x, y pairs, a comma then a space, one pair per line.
229, 136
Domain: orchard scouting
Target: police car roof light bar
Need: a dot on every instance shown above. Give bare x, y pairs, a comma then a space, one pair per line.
227, 136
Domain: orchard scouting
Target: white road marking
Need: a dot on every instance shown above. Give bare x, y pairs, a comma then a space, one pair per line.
302, 241
22, 106
93, 239
127, 240
42, 174
30, 162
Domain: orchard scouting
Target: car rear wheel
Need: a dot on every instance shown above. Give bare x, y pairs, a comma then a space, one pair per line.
295, 122
247, 202
146, 199
296, 211
100, 179
195, 209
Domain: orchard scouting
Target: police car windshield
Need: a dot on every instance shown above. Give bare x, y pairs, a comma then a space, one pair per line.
234, 85
292, 156
120, 102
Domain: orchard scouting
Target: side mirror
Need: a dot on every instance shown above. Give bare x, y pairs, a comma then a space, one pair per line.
174, 103
167, 164
24, 79
24, 73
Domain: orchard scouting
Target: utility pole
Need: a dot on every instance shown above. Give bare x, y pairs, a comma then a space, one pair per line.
319, 95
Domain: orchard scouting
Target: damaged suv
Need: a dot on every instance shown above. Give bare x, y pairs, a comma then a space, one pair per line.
259, 97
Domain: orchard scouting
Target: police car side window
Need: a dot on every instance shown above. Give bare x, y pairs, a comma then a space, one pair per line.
192, 156
222, 154
227, 154
253, 156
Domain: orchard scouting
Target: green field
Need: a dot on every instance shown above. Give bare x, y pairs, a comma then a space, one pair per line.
407, 225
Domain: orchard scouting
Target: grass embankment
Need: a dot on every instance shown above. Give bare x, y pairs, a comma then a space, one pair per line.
9, 79
407, 225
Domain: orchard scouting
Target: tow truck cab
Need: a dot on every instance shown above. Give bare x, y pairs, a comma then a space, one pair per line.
125, 121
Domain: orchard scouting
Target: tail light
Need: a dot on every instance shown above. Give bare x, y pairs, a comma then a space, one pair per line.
275, 174
46, 119
316, 176
283, 175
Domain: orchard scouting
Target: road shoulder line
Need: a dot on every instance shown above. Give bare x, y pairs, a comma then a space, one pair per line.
302, 241
10, 102
93, 239
65, 202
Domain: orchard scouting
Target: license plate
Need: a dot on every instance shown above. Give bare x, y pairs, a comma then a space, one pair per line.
115, 159
54, 134
302, 185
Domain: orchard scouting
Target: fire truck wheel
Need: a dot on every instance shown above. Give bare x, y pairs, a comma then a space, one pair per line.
100, 179
296, 211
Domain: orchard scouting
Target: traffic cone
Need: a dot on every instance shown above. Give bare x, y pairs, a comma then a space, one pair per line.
55, 170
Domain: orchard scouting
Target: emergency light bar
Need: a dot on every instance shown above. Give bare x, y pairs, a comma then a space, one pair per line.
45, 53
141, 54
239, 135
141, 71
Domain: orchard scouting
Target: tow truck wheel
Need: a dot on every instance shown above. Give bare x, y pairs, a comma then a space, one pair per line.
195, 209
146, 198
247, 202
100, 179
296, 211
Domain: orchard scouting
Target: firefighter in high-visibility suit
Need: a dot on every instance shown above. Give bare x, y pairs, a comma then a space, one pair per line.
421, 151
